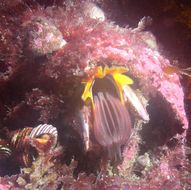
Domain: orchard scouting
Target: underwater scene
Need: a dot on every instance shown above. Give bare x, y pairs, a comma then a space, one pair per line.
95, 95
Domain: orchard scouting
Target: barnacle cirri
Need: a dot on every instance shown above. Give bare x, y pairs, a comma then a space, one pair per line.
108, 92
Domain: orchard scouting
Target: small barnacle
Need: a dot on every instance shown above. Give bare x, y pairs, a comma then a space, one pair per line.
145, 21
20, 146
149, 40
92, 11
29, 142
43, 37
44, 138
5, 150
17, 137
108, 92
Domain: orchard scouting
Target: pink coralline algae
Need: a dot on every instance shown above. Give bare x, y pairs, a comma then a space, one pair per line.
88, 45
49, 55
42, 37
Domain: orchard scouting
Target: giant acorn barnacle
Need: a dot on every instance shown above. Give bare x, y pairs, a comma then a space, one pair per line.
108, 92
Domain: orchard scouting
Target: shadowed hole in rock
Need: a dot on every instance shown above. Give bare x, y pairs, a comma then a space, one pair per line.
162, 127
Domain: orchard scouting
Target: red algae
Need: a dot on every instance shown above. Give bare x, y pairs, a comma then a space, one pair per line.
47, 52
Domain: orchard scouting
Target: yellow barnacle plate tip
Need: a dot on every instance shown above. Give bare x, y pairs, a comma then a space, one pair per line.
100, 72
120, 81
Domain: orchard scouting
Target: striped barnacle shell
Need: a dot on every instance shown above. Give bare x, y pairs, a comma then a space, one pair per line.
44, 137
29, 142
18, 138
5, 150
22, 152
25, 158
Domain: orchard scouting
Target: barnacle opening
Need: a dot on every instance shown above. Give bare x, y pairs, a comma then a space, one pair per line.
116, 73
162, 128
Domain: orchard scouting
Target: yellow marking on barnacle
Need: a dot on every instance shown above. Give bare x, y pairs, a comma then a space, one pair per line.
87, 94
120, 81
100, 72
43, 140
